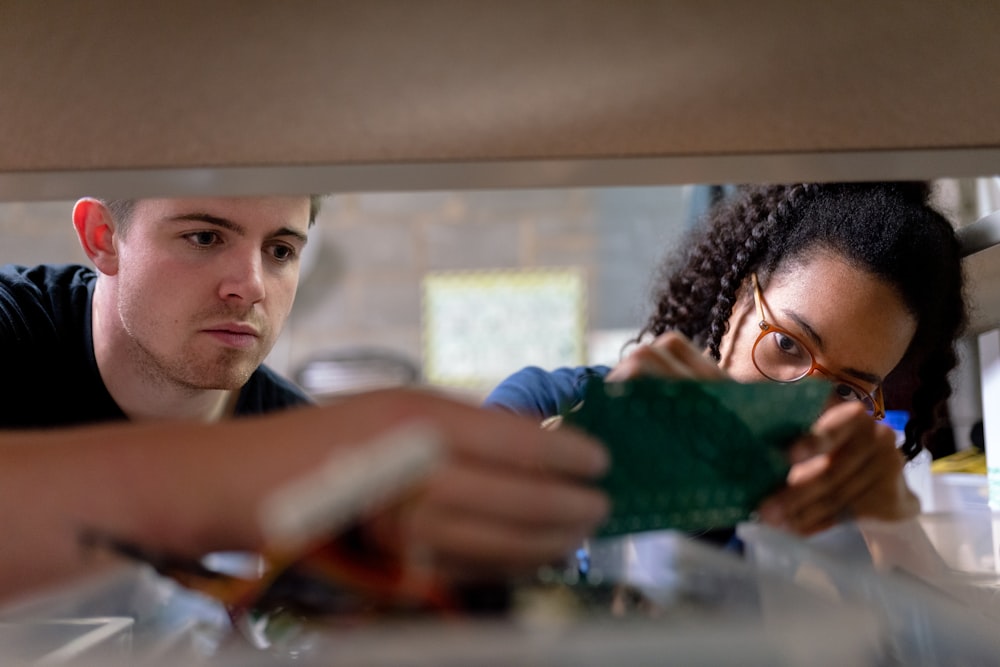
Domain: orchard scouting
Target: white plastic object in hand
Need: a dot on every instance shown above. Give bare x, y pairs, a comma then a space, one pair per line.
350, 483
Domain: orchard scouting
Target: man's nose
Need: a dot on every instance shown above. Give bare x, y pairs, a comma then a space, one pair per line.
244, 279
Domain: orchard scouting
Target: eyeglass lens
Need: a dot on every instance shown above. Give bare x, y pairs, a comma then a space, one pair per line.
782, 358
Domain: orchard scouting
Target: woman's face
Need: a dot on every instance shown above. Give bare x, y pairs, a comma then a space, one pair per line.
854, 324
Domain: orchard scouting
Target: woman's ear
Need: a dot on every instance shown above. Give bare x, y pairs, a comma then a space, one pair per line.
95, 228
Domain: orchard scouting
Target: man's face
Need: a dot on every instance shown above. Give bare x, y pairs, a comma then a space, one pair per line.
204, 285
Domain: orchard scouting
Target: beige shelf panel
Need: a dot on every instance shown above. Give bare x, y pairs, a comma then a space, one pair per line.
119, 98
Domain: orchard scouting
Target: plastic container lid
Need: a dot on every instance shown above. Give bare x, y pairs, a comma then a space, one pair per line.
896, 419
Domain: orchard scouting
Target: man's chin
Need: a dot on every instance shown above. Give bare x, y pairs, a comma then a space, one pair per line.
227, 381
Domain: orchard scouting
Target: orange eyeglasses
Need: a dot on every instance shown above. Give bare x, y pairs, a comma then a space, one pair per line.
781, 356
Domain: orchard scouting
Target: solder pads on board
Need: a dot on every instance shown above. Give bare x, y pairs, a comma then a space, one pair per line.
693, 455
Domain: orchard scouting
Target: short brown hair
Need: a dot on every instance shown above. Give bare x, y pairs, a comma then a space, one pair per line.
121, 210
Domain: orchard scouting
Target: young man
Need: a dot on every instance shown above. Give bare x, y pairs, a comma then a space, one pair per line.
187, 299
167, 339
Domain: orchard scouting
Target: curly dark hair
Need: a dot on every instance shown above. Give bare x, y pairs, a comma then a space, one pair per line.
888, 229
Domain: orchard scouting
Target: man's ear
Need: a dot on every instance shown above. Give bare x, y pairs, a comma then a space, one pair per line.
96, 230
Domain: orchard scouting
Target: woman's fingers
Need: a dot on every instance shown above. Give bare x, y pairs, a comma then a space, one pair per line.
847, 467
809, 508
669, 355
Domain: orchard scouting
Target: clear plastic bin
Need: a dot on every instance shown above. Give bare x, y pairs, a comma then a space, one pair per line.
788, 603
704, 608
144, 615
967, 541
958, 492
921, 623
63, 641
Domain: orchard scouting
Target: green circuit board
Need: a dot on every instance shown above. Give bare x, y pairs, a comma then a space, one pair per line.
693, 455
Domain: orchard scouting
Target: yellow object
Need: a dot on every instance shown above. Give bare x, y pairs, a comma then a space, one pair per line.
968, 460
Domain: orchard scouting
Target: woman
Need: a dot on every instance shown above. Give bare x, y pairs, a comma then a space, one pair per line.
844, 281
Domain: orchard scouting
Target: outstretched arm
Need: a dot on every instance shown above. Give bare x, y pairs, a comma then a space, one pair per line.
507, 496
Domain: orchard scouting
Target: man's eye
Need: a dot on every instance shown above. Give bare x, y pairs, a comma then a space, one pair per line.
203, 238
283, 253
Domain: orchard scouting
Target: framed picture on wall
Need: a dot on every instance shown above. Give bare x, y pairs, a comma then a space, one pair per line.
480, 326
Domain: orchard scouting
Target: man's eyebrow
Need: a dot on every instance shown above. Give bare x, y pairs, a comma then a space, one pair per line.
210, 219
288, 231
864, 376
226, 223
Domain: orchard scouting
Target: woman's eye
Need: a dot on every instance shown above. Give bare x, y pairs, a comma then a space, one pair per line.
847, 393
787, 344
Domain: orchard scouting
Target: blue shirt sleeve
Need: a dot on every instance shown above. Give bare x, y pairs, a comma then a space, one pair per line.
540, 394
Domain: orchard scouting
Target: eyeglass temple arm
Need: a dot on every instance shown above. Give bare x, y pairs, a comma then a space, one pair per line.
758, 300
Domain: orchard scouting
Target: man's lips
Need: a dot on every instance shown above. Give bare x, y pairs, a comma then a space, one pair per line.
233, 335
235, 328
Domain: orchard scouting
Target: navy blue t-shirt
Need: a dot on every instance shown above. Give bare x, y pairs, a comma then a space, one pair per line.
540, 394
49, 371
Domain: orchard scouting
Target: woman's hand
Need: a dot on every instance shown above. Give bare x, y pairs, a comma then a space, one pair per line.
847, 467
670, 355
